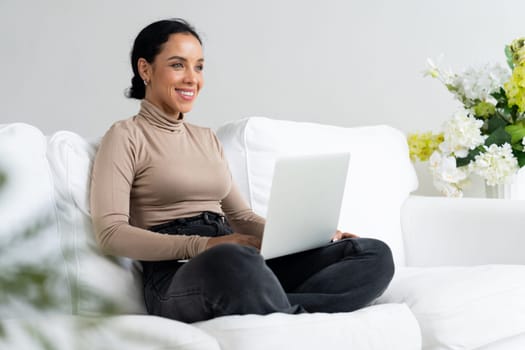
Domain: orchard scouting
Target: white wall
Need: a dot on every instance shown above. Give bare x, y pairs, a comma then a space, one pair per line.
65, 63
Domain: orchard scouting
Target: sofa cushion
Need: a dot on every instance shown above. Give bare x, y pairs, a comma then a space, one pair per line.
98, 278
516, 342
29, 244
442, 231
130, 332
27, 193
365, 329
462, 307
380, 173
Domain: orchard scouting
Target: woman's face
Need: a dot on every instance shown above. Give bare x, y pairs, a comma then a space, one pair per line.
174, 79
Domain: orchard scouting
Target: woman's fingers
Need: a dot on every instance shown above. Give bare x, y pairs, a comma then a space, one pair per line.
342, 235
236, 238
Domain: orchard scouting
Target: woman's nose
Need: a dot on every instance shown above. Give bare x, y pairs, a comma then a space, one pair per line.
190, 76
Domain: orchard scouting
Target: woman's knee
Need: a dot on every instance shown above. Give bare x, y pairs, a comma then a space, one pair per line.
227, 264
380, 252
224, 255
232, 279
238, 272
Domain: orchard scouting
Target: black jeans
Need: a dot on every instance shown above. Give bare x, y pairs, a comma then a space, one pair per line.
233, 279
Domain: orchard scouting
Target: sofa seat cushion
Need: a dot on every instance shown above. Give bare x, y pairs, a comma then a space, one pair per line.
516, 342
389, 326
462, 307
130, 332
380, 173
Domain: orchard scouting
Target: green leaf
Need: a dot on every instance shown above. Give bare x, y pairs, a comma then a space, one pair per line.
469, 158
498, 137
508, 54
495, 123
501, 97
462, 161
520, 156
516, 132
513, 112
39, 335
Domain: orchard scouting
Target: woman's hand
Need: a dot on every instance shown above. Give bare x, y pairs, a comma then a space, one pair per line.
341, 235
236, 238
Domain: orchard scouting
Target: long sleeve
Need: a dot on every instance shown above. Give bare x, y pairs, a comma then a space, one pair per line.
240, 216
114, 170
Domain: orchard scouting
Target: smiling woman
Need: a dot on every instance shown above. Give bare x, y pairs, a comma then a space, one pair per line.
162, 193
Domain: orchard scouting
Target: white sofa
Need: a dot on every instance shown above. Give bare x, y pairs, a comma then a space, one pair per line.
459, 282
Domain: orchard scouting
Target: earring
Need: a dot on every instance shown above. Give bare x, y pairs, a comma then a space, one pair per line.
145, 83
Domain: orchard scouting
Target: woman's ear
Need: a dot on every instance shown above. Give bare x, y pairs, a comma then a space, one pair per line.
144, 69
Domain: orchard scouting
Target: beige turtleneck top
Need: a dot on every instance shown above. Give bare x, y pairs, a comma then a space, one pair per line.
151, 169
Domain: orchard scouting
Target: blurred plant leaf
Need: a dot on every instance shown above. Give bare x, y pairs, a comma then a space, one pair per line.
3, 178
33, 282
40, 337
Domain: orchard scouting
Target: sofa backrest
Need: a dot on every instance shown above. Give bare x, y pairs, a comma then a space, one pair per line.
99, 280
380, 178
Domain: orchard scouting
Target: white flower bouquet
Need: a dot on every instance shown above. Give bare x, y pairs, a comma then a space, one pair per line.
486, 136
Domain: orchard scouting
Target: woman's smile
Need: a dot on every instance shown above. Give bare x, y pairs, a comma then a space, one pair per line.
186, 94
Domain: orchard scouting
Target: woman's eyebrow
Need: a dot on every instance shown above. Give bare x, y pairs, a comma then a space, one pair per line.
183, 59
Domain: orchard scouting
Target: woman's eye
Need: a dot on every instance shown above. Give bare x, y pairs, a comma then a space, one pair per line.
177, 65
199, 68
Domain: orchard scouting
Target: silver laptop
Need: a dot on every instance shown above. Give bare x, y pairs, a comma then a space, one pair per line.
305, 203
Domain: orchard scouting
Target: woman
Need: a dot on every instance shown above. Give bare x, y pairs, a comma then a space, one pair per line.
161, 192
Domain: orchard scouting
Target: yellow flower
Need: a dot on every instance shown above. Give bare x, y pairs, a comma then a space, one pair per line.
519, 56
484, 109
517, 47
515, 88
421, 146
517, 44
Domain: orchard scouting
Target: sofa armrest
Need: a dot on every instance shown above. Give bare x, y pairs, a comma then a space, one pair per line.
463, 231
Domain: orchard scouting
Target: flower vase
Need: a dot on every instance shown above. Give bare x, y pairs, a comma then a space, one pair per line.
513, 189
496, 191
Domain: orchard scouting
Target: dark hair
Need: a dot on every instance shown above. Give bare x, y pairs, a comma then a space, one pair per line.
149, 43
